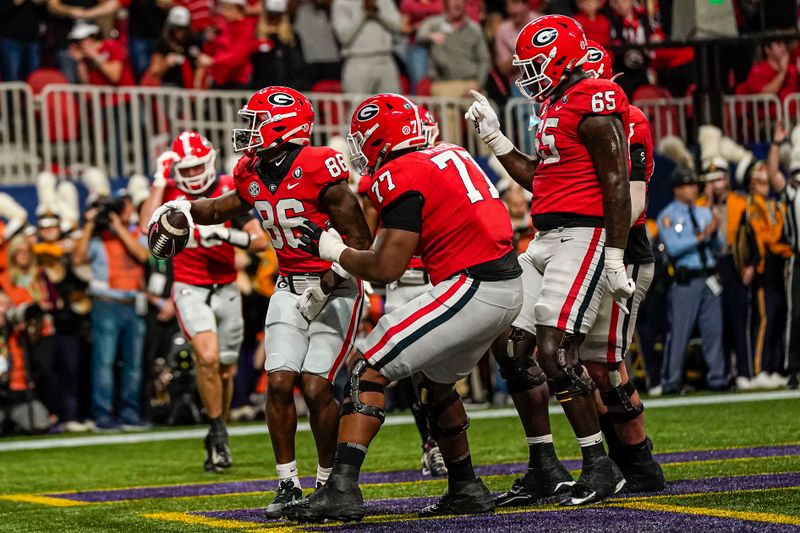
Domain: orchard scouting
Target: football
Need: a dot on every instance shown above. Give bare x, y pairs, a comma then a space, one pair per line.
169, 235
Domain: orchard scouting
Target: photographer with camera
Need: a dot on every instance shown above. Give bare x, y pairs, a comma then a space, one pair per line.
111, 245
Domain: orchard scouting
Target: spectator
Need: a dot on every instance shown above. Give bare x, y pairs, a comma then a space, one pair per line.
775, 74
20, 34
174, 61
227, 55
628, 27
26, 284
756, 225
110, 244
415, 11
99, 61
366, 30
312, 26
278, 59
689, 234
65, 15
596, 26
19, 407
459, 54
505, 39
70, 317
145, 27
200, 11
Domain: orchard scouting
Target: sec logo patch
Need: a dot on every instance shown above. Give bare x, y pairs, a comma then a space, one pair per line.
254, 189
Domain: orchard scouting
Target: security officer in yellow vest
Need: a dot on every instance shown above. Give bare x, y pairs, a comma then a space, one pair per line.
690, 236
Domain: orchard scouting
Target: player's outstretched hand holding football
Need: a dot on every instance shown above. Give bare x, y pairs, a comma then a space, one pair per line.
311, 302
487, 125
326, 244
184, 206
620, 285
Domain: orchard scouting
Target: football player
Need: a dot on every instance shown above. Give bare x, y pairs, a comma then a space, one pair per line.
437, 201
581, 208
414, 282
205, 295
603, 351
314, 314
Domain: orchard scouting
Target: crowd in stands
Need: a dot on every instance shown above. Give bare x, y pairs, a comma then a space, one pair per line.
439, 47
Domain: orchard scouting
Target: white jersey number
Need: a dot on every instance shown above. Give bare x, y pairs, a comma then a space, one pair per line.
546, 147
336, 165
279, 222
603, 101
451, 156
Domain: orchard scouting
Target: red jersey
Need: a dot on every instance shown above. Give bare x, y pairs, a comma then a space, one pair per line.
639, 134
565, 181
285, 205
201, 263
111, 50
463, 221
363, 188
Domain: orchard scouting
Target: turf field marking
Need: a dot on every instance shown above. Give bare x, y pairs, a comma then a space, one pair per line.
42, 500
752, 516
378, 480
200, 520
395, 420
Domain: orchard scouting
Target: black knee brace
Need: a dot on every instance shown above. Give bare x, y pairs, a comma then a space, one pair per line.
520, 374
354, 387
433, 412
570, 382
618, 401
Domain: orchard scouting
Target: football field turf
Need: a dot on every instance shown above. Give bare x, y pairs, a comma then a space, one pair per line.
732, 463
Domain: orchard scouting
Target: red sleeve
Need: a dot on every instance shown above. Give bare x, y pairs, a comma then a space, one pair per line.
760, 75
329, 166
419, 10
392, 182
601, 97
242, 177
363, 184
114, 50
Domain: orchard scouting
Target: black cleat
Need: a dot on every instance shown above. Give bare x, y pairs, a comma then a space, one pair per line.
432, 461
642, 472
218, 453
598, 481
339, 499
287, 493
462, 497
535, 485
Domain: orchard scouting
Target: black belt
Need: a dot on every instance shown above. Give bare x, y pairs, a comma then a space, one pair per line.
500, 269
290, 280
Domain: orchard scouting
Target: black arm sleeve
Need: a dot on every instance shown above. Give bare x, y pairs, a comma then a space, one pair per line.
638, 163
405, 213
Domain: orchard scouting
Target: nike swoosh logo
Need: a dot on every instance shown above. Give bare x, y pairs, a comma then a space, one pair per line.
292, 186
566, 239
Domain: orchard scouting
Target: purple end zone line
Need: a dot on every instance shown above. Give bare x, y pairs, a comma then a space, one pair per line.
674, 488
263, 485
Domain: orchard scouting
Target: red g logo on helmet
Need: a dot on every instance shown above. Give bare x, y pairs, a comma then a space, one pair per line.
544, 37
275, 116
382, 124
547, 50
598, 62
280, 99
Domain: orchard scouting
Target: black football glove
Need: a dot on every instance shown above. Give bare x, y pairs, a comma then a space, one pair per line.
309, 242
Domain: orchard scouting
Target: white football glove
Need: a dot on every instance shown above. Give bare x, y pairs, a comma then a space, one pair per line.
164, 167
620, 286
487, 125
311, 302
184, 206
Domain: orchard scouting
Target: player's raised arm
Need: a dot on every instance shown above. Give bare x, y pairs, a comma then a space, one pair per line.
518, 165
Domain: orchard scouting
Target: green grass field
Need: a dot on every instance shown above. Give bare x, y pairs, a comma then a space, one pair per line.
745, 489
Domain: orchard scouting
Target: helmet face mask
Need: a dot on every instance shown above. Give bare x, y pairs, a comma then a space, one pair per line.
533, 82
355, 141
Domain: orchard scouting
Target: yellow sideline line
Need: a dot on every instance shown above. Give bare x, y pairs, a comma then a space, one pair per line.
42, 500
753, 516
221, 523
